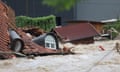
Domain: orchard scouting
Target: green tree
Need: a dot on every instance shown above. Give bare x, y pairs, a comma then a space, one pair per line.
60, 5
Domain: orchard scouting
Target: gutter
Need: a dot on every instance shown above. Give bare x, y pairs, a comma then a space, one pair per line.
17, 43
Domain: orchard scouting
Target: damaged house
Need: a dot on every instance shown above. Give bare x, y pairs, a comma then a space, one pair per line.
14, 40
98, 25
76, 33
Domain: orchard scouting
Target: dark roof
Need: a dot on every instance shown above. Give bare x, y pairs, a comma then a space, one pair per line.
40, 40
98, 10
83, 21
76, 31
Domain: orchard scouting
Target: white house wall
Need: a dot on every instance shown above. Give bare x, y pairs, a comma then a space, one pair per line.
97, 10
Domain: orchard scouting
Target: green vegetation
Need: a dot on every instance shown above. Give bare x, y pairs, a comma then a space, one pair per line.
46, 23
115, 25
60, 5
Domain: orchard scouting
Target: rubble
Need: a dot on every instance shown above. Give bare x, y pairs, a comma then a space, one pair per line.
30, 47
7, 22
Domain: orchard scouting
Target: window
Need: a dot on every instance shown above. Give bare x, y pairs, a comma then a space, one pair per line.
50, 42
52, 45
47, 45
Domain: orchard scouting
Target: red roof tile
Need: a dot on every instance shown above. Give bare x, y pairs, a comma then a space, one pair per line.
33, 48
76, 31
4, 36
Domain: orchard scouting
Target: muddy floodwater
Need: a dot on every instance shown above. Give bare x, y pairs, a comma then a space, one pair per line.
88, 58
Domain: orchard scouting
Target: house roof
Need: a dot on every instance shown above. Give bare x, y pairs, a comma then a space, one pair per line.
76, 31
41, 39
4, 36
85, 21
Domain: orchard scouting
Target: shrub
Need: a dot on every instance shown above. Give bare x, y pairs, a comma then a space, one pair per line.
46, 23
115, 25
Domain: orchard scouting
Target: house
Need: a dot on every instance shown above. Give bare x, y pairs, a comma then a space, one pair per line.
76, 33
98, 25
13, 37
97, 12
47, 40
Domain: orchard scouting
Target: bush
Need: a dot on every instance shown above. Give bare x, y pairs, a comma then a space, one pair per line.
46, 23
115, 25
